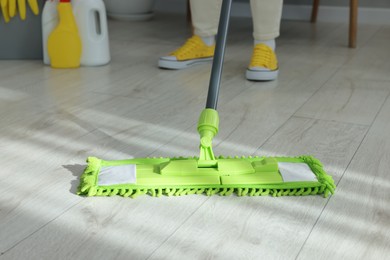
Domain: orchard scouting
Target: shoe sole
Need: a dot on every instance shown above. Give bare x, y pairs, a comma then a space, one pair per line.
257, 75
177, 65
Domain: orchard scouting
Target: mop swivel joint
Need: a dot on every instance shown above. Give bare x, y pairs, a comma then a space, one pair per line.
207, 128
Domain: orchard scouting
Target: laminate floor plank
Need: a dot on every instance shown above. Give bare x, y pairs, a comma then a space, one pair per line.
347, 100
355, 224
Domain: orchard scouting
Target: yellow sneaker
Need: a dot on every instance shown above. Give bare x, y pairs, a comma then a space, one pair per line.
194, 51
264, 64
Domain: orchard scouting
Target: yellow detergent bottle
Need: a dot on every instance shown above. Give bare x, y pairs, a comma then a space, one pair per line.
64, 43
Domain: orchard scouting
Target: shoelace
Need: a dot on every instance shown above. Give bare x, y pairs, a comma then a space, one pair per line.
261, 56
191, 44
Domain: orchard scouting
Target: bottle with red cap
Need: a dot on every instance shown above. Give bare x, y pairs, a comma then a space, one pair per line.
64, 43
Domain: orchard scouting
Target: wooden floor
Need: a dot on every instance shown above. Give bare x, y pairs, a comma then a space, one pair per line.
329, 101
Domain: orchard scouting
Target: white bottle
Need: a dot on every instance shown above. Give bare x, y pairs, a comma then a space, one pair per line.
49, 22
92, 24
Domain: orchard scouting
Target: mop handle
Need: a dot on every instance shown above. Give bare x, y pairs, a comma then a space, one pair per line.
216, 71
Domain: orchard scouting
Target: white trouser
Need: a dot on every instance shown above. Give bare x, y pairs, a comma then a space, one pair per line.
266, 16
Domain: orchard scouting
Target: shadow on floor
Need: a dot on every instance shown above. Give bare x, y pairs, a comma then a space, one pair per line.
77, 170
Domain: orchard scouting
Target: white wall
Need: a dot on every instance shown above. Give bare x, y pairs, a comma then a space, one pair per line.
362, 3
370, 11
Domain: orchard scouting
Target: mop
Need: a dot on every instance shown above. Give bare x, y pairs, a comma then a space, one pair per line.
207, 174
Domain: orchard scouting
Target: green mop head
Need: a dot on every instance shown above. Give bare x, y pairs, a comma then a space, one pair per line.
245, 176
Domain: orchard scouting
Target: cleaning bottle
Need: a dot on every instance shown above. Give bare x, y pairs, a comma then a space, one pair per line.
49, 23
64, 43
92, 24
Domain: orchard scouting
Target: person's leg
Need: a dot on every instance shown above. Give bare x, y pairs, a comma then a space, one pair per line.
266, 15
266, 26
200, 47
205, 17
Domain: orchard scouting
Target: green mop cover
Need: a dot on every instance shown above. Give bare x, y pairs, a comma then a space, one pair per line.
244, 176
252, 176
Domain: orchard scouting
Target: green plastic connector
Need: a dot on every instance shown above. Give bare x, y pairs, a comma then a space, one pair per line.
207, 128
